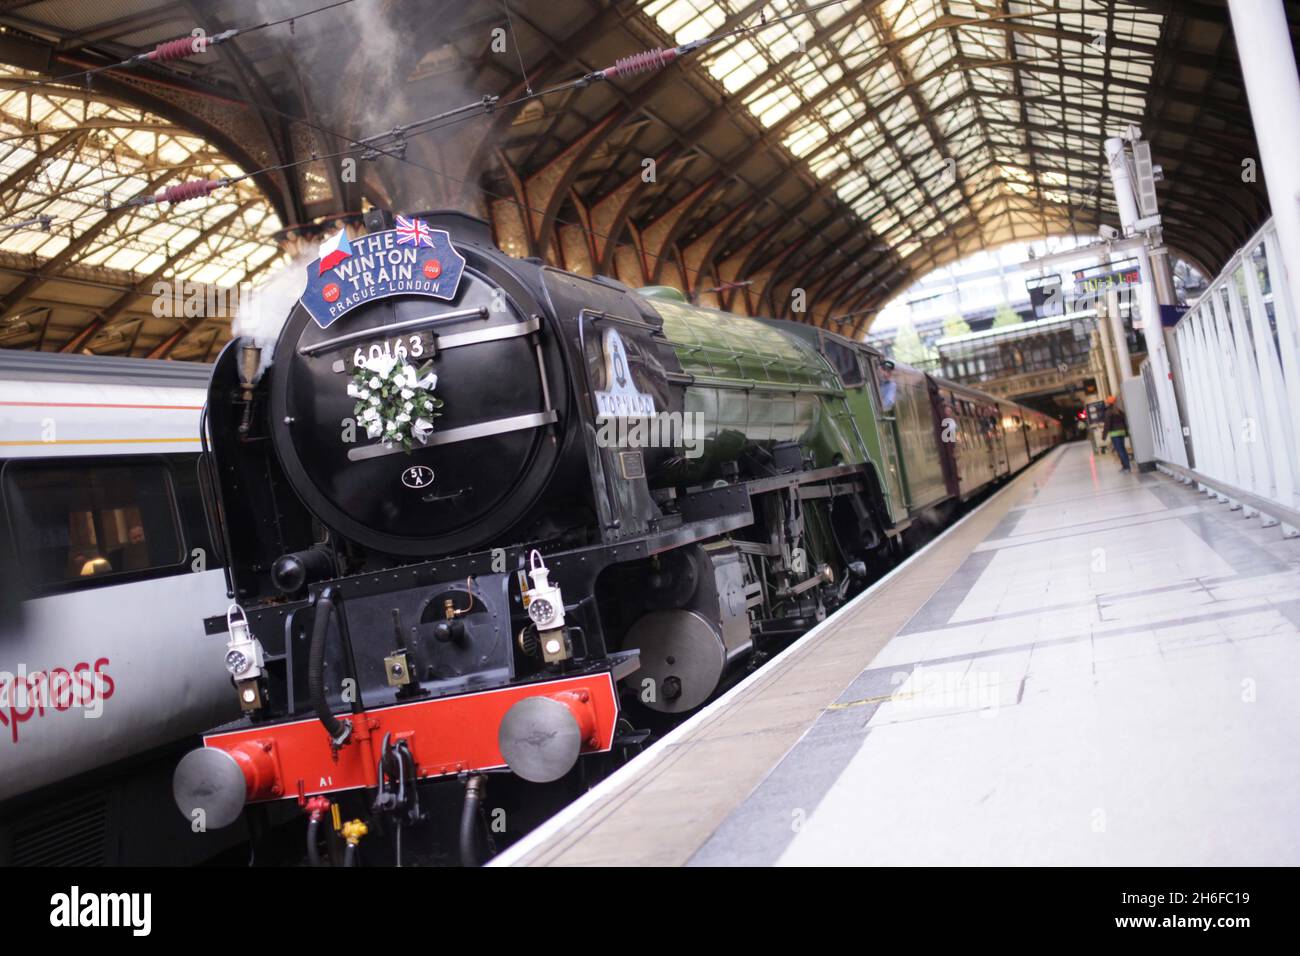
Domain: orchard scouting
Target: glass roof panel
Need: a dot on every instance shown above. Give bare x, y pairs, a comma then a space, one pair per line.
1017, 94
69, 156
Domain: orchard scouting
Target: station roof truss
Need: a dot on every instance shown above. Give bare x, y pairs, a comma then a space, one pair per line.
88, 278
844, 153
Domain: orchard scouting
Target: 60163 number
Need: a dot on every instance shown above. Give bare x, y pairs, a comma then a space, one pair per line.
400, 348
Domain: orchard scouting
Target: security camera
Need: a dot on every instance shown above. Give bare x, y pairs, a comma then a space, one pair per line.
1109, 233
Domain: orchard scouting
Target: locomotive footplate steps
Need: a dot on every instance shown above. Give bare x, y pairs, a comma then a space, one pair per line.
1088, 668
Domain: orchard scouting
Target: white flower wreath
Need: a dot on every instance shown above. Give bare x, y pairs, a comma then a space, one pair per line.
395, 400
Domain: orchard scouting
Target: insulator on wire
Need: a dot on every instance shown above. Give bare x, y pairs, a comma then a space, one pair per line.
646, 62
172, 50
185, 47
184, 192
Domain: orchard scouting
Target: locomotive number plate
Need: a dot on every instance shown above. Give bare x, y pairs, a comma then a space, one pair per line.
405, 348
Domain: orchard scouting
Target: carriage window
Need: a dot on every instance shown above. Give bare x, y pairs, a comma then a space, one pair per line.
844, 360
79, 523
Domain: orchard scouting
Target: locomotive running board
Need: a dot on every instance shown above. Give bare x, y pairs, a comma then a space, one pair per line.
498, 426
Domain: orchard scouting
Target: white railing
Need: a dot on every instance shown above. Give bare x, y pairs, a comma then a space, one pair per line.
1240, 368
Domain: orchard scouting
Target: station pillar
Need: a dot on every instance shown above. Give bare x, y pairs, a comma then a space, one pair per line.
1109, 367
1268, 67
1108, 311
1171, 440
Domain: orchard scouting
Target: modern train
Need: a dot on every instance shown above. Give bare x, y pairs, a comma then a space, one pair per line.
488, 524
107, 568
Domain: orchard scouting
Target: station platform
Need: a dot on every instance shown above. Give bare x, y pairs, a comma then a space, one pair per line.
1091, 668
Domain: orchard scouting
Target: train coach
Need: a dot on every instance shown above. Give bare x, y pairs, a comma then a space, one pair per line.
489, 521
106, 570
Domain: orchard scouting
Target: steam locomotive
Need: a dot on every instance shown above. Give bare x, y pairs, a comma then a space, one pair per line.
484, 518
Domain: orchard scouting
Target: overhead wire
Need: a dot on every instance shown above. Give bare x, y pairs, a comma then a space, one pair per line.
165, 51
625, 66
519, 54
183, 47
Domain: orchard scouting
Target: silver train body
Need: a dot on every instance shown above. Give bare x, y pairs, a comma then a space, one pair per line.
106, 573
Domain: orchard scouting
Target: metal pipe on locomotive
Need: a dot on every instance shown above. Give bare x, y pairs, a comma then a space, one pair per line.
515, 588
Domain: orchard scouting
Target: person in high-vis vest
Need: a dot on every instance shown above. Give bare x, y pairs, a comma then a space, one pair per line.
1116, 426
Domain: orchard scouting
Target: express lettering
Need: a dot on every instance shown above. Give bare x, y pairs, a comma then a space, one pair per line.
25, 696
